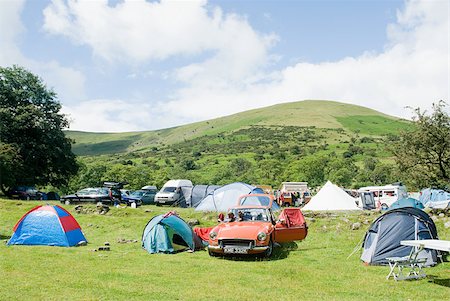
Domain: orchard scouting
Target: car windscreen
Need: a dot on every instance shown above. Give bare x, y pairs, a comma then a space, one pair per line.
255, 200
252, 214
260, 200
137, 193
169, 189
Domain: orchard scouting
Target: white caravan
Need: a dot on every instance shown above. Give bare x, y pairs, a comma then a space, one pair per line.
174, 192
386, 195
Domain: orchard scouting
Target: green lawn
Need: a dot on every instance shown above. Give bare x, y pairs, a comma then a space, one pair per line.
315, 269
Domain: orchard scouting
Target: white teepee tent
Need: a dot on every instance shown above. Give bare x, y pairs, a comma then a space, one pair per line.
331, 197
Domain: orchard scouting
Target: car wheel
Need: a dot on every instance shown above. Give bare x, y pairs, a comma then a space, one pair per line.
384, 207
269, 251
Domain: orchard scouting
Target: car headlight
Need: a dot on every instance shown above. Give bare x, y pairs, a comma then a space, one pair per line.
212, 235
262, 236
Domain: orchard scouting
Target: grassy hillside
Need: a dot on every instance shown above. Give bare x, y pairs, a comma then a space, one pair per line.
309, 113
317, 268
311, 141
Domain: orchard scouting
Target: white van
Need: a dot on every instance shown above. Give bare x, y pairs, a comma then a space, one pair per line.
174, 192
386, 195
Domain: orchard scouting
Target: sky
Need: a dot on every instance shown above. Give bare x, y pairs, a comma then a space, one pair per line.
136, 65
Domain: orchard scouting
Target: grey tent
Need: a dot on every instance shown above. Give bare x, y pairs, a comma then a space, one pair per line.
224, 197
382, 240
199, 192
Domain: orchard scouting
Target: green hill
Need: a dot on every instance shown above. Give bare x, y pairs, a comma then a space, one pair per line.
308, 113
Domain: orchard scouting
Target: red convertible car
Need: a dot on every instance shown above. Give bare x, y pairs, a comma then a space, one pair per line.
251, 227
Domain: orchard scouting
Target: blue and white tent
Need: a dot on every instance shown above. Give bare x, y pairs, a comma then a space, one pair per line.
434, 198
47, 225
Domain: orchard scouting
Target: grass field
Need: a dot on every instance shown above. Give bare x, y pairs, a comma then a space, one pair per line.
314, 269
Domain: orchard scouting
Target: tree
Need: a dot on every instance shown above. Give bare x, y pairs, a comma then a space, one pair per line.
32, 128
240, 166
423, 153
310, 169
341, 171
374, 172
9, 160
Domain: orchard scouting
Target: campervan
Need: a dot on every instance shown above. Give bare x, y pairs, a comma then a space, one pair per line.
174, 192
385, 196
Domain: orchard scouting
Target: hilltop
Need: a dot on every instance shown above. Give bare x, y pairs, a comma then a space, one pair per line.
316, 114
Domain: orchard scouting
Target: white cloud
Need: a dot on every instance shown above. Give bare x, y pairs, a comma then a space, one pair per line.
116, 115
138, 31
413, 70
67, 82
10, 29
105, 116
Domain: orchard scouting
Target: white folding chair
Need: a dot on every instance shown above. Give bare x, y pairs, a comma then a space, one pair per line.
411, 264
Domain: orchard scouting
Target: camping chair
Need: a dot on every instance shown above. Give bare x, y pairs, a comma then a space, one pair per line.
410, 262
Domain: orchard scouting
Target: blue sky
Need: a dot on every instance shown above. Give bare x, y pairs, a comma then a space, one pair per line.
136, 65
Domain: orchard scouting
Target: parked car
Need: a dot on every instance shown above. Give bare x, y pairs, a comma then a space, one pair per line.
25, 193
252, 228
144, 196
94, 195
53, 196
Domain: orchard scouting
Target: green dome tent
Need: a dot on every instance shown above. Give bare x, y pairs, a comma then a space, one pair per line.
407, 202
168, 233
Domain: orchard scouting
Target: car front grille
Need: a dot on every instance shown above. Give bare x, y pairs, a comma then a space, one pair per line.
236, 243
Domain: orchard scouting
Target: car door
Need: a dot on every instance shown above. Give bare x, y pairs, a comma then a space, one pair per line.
146, 198
151, 196
290, 226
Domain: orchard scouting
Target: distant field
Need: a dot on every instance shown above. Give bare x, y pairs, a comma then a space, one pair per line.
315, 269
